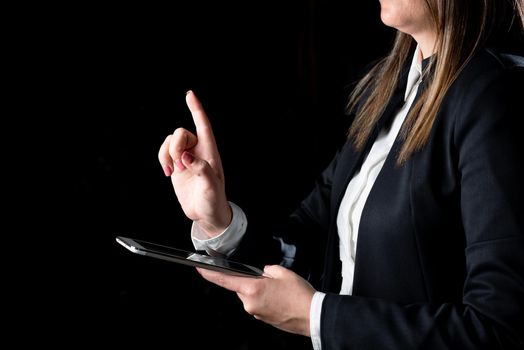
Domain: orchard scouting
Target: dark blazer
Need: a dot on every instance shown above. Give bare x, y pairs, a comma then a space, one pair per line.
440, 251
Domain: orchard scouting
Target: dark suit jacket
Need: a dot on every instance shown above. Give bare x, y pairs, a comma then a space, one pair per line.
440, 251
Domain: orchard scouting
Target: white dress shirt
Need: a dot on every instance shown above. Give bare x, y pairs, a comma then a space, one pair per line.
349, 213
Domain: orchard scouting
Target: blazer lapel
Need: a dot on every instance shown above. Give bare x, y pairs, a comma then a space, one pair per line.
349, 162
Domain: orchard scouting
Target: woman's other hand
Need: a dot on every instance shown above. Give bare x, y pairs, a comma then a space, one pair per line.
281, 298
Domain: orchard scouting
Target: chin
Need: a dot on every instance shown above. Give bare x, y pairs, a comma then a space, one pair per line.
385, 17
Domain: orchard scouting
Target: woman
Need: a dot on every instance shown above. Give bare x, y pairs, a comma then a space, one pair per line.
414, 234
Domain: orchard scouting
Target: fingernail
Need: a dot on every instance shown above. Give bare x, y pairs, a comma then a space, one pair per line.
188, 157
179, 165
187, 92
167, 170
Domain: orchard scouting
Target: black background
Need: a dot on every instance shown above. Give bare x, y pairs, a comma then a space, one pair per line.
273, 77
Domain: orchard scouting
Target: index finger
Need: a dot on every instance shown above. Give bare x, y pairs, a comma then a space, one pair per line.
203, 126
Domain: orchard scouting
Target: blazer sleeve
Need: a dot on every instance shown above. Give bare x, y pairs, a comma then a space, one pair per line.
489, 144
296, 241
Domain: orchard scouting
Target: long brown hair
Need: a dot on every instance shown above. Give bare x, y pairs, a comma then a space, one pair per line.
463, 27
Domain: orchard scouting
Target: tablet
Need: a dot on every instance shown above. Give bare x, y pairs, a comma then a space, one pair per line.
188, 258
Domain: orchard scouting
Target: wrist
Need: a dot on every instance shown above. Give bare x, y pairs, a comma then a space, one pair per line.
306, 325
221, 222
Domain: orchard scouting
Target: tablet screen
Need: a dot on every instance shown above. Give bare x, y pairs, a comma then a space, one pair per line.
187, 258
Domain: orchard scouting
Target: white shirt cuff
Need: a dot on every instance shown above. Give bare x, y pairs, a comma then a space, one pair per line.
314, 319
227, 241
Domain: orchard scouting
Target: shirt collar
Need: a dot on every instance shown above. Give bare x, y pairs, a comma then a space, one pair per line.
415, 72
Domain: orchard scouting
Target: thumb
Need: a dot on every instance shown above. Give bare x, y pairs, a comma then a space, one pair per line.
274, 271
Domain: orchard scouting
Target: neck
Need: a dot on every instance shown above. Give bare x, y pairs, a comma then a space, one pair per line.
426, 43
